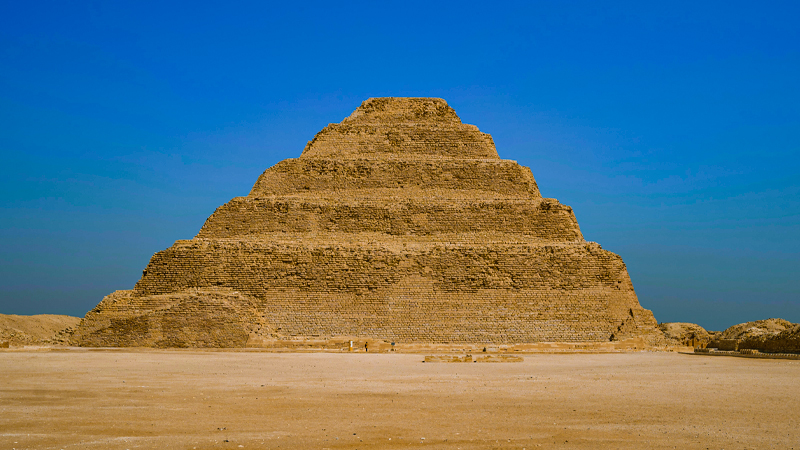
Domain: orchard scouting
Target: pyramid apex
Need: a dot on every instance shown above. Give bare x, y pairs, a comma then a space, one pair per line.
404, 109
403, 127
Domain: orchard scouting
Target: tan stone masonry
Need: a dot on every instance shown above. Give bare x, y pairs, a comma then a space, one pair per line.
399, 224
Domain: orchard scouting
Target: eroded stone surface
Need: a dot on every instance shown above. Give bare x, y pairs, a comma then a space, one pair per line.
401, 224
686, 334
770, 335
41, 329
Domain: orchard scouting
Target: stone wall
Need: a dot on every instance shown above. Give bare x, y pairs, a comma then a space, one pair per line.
328, 177
246, 216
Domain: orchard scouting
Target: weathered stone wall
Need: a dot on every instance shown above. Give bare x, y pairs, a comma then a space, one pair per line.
431, 293
251, 266
415, 127
401, 223
242, 216
209, 317
331, 176
770, 335
40, 329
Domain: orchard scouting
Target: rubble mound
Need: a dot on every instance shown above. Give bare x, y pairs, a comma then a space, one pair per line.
210, 317
758, 328
43, 329
401, 223
769, 336
686, 334
787, 341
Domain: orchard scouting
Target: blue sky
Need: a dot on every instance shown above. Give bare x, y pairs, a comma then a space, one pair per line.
671, 128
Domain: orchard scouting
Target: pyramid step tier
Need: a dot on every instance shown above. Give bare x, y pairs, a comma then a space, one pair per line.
396, 242
391, 110
251, 266
315, 174
540, 218
350, 139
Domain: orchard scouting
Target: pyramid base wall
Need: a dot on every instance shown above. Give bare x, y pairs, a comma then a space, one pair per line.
409, 314
208, 293
405, 313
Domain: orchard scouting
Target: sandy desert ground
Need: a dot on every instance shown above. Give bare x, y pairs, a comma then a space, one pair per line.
124, 399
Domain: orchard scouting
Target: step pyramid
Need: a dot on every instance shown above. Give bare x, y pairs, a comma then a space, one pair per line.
400, 223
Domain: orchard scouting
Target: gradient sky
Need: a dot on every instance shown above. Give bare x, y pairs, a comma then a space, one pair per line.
671, 128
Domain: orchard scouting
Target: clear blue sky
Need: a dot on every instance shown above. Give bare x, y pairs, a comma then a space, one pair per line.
671, 128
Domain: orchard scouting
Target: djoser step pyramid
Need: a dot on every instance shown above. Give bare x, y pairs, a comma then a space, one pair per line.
399, 223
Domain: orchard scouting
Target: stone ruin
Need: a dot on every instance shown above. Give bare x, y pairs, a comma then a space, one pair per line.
767, 336
400, 223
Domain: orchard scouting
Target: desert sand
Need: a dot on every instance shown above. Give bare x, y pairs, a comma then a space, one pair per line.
187, 399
